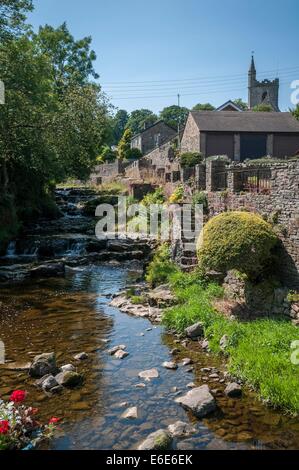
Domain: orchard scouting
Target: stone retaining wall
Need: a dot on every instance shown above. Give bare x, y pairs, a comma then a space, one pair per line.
280, 206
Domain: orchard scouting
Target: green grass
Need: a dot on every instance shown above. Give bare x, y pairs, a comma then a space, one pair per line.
259, 352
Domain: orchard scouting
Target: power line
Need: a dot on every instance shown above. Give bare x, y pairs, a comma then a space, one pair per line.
195, 93
199, 91
203, 78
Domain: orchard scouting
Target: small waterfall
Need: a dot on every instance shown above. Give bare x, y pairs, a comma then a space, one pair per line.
77, 248
11, 250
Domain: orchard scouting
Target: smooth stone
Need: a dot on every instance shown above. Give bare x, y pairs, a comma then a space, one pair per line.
49, 383
233, 390
120, 354
42, 365
170, 365
120, 347
186, 361
149, 374
214, 376
130, 413
191, 385
68, 368
141, 385
159, 440
81, 356
205, 344
69, 379
198, 400
181, 429
124, 404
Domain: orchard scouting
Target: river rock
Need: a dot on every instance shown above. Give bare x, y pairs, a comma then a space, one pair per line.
198, 400
205, 344
49, 383
69, 379
81, 356
195, 331
120, 354
161, 296
233, 390
170, 365
186, 361
48, 270
42, 365
68, 368
130, 413
149, 374
120, 347
159, 440
181, 429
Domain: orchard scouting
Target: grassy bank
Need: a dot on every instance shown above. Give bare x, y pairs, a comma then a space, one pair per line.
258, 352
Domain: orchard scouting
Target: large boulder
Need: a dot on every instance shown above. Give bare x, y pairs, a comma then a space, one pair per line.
195, 331
42, 365
198, 400
159, 440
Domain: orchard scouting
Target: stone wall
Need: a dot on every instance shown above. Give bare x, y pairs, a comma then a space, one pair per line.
191, 138
107, 172
280, 204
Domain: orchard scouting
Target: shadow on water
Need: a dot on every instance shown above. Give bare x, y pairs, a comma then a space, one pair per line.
72, 315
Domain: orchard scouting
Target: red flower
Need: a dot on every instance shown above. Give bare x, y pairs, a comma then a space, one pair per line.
4, 427
18, 396
54, 420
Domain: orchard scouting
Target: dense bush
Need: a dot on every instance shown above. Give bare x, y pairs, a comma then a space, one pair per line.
157, 197
178, 195
200, 197
236, 240
161, 267
190, 159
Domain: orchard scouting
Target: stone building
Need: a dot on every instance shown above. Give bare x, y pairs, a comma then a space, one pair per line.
241, 135
264, 92
152, 137
229, 106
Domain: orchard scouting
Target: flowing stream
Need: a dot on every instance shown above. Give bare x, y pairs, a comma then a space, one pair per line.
70, 315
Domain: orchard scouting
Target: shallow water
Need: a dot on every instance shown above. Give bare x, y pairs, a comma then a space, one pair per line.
72, 315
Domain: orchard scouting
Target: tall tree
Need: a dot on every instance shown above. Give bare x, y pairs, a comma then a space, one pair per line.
296, 112
72, 60
12, 17
139, 119
174, 115
203, 107
119, 123
239, 102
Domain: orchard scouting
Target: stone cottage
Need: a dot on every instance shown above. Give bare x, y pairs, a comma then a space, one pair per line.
153, 136
241, 135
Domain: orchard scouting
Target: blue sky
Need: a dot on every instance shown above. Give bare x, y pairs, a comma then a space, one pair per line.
150, 50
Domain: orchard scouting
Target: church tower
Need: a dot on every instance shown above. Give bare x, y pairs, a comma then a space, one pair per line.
264, 92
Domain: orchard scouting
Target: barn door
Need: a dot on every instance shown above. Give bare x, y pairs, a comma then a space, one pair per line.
253, 146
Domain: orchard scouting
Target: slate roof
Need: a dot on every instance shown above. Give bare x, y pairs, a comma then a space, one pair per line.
247, 121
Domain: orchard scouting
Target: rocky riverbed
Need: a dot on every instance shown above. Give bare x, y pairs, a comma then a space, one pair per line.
87, 354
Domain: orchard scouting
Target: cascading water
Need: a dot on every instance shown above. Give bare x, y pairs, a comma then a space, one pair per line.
11, 250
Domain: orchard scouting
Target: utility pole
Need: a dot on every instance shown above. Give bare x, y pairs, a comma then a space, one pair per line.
179, 123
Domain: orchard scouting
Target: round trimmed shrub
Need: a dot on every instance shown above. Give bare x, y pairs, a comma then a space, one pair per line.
236, 240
